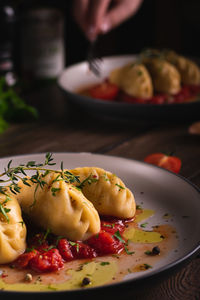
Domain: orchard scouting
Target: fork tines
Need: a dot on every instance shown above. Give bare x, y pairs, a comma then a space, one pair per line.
93, 61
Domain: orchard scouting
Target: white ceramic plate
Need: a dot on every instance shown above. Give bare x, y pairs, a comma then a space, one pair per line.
152, 186
78, 76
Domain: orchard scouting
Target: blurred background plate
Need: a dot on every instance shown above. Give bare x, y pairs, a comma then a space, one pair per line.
78, 76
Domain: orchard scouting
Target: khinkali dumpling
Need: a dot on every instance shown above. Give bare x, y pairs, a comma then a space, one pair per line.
134, 79
12, 229
189, 70
106, 191
60, 207
166, 78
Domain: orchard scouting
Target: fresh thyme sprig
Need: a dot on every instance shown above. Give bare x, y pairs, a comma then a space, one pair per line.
14, 174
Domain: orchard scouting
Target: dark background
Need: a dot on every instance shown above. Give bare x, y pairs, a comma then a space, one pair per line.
159, 23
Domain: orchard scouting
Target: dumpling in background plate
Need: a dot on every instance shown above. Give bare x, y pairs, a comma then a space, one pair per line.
60, 207
134, 79
166, 78
106, 191
12, 229
189, 70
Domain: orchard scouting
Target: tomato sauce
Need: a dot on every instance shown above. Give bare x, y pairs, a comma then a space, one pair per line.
46, 253
107, 91
122, 247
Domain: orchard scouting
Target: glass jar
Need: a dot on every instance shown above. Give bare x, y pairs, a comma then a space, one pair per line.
42, 43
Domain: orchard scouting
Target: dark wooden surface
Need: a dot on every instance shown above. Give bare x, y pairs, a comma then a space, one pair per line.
63, 128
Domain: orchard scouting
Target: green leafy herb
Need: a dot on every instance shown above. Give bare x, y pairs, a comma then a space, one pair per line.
50, 287
109, 225
148, 252
74, 244
138, 207
147, 266
12, 107
90, 179
4, 211
104, 263
44, 237
120, 187
118, 236
127, 251
143, 225
105, 177
16, 173
139, 73
54, 191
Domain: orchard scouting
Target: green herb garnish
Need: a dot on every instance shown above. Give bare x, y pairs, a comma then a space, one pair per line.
74, 244
147, 266
127, 251
120, 187
14, 174
104, 263
118, 236
89, 180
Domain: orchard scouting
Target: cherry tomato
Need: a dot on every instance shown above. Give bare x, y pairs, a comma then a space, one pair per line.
169, 162
104, 91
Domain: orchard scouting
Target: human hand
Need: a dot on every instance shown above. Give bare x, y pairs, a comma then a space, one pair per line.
100, 16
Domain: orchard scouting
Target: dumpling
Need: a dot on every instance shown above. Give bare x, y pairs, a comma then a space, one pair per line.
189, 70
166, 78
60, 207
12, 229
106, 191
134, 79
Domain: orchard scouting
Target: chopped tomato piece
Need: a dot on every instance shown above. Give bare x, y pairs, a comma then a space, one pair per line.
24, 259
158, 99
112, 227
64, 249
169, 162
48, 261
81, 250
104, 91
194, 89
38, 242
130, 99
104, 243
183, 95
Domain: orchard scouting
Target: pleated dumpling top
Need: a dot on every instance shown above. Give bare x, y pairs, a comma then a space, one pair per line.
12, 229
59, 207
189, 70
134, 79
165, 76
106, 191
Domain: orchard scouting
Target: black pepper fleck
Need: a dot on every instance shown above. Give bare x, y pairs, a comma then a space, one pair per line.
86, 281
156, 250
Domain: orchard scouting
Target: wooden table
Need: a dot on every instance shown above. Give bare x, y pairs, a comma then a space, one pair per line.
62, 128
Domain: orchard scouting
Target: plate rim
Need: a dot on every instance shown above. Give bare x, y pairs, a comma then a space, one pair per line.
178, 262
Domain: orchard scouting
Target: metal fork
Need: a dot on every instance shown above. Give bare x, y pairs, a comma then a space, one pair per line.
93, 61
